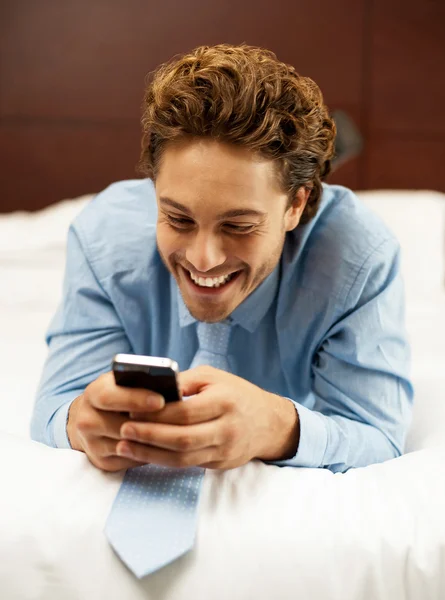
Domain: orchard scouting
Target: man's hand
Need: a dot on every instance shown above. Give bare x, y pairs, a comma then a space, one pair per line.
96, 417
227, 422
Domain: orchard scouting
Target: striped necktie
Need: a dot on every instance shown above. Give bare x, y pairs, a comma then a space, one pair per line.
154, 516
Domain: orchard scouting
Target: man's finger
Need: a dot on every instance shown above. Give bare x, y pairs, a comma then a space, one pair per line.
195, 380
112, 397
173, 437
196, 409
107, 423
167, 458
107, 458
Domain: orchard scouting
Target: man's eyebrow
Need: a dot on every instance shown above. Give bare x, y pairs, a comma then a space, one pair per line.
174, 204
237, 212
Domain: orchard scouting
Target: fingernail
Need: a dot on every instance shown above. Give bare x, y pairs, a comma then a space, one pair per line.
155, 401
124, 451
128, 431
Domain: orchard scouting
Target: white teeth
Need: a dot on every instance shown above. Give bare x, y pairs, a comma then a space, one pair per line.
210, 281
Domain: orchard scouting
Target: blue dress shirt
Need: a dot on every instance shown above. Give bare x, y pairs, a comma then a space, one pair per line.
325, 329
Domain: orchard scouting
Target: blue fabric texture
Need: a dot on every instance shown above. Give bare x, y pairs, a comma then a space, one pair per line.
154, 516
325, 329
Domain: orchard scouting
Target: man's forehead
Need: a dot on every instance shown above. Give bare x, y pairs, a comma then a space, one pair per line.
217, 180
206, 163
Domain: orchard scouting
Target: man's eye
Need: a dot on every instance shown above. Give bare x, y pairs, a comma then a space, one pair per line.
179, 222
238, 228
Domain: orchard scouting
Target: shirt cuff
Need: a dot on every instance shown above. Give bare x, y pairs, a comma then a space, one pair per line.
313, 439
57, 427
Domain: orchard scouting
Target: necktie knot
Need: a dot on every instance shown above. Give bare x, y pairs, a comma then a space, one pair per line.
214, 337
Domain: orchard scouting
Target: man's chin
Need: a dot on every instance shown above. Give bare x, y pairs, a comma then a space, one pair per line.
208, 310
207, 314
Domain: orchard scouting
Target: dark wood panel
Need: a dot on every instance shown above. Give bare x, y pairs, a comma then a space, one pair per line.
405, 163
88, 59
348, 174
72, 77
45, 163
408, 66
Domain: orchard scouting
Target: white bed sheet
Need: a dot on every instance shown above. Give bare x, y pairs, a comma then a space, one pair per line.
264, 532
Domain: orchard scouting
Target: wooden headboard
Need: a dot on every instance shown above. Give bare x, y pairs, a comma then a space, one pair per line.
72, 79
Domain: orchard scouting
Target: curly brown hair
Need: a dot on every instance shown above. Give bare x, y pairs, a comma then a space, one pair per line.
245, 96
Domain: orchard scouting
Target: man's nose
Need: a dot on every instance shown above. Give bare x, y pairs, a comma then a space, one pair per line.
205, 252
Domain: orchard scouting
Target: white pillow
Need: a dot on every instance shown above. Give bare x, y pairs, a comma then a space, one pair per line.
264, 532
417, 218
23, 231
32, 255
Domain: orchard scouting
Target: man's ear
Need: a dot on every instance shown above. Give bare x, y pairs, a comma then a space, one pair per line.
293, 214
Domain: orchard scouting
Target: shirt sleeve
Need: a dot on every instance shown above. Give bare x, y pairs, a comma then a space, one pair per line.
82, 339
362, 395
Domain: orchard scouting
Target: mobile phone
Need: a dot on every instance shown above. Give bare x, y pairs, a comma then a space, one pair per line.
149, 372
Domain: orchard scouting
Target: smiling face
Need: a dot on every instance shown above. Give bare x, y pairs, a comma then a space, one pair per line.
222, 221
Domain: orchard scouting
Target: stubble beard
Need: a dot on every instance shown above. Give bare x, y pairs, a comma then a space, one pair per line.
214, 313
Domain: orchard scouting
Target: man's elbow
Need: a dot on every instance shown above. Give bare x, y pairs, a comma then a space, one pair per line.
39, 428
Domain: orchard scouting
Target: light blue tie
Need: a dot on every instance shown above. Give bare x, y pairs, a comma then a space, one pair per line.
154, 516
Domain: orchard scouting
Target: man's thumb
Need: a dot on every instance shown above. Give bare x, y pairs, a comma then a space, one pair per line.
191, 382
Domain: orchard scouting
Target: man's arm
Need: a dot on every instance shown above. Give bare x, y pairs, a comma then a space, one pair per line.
361, 389
83, 336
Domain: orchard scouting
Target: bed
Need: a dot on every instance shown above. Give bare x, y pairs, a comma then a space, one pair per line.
264, 531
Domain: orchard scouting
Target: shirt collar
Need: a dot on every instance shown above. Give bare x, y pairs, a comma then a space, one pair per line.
249, 313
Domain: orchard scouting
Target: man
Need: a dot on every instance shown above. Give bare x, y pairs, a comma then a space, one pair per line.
232, 224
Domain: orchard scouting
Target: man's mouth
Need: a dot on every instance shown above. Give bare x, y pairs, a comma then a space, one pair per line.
210, 283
